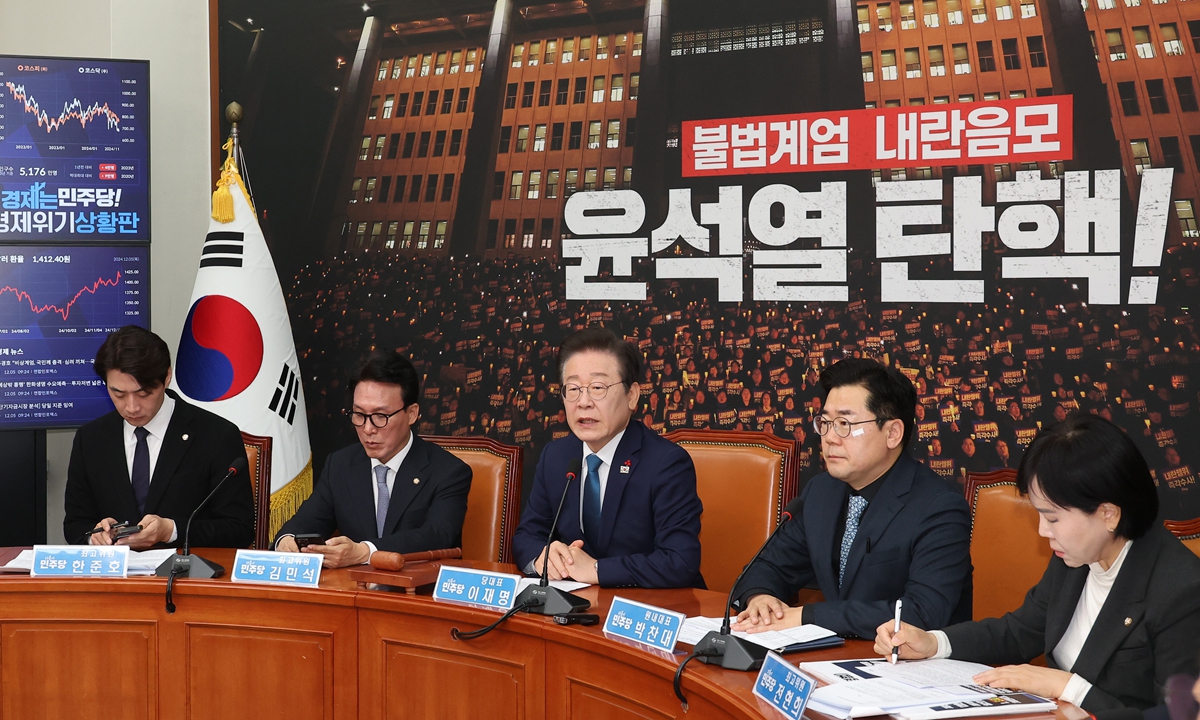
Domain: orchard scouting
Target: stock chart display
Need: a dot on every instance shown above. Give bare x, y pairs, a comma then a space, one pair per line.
74, 149
57, 303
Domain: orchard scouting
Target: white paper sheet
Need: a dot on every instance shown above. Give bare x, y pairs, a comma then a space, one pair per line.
930, 673
695, 628
879, 694
564, 585
944, 673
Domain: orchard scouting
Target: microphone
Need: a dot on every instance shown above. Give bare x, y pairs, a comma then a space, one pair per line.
194, 566
542, 598
722, 648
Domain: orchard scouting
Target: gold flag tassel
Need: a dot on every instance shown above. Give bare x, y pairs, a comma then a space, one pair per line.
222, 199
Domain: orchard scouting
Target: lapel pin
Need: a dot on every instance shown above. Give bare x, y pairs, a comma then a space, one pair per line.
416, 481
1128, 622
185, 436
625, 468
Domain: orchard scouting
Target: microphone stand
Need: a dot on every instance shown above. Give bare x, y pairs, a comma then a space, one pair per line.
543, 598
194, 566
723, 648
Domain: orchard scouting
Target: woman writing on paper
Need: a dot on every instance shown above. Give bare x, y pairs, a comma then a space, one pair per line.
1117, 611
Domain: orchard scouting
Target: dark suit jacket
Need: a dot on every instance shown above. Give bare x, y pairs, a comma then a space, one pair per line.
424, 515
650, 519
98, 484
1147, 631
914, 543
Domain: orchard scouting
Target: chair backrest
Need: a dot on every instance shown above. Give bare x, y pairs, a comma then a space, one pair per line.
1008, 555
495, 496
258, 453
1188, 532
744, 479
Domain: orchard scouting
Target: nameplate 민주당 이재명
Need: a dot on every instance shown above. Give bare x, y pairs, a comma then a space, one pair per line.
492, 590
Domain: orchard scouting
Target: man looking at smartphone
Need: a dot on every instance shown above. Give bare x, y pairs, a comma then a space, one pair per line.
389, 491
153, 459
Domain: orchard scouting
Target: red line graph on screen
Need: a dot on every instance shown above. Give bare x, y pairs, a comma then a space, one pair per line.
73, 110
63, 312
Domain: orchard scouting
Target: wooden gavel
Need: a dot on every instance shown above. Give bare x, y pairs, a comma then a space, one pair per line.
382, 560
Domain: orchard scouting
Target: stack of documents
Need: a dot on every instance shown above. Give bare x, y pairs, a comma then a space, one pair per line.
801, 637
914, 690
140, 563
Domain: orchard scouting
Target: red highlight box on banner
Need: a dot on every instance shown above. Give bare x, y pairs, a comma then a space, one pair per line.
998, 131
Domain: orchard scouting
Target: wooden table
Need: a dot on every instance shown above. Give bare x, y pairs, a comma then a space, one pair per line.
108, 649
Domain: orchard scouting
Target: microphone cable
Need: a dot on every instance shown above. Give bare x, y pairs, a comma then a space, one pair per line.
678, 683
176, 570
471, 635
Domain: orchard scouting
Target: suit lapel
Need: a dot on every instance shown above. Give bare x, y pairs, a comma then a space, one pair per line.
625, 457
411, 477
882, 510
568, 522
820, 515
359, 479
170, 453
1058, 615
1122, 610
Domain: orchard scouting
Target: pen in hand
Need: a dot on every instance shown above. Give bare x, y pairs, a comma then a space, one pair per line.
896, 629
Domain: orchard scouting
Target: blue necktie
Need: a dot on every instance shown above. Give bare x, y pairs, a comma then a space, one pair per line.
381, 507
858, 503
140, 477
591, 502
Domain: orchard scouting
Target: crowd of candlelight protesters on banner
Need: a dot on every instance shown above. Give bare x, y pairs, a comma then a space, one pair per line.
988, 377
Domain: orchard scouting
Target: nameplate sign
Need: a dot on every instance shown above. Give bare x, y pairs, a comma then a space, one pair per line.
491, 590
95, 561
643, 624
277, 568
783, 687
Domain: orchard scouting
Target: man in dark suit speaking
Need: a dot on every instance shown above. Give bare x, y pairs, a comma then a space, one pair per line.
391, 490
876, 528
633, 518
154, 459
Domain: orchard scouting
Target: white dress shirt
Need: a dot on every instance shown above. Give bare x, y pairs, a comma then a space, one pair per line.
605, 454
156, 431
1095, 591
393, 467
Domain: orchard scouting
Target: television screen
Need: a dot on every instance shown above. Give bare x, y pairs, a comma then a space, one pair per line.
57, 304
74, 149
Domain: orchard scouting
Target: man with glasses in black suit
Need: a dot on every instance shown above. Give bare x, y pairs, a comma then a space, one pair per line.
875, 528
390, 491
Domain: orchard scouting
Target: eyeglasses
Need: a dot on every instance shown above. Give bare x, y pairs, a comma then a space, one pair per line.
595, 391
840, 425
379, 420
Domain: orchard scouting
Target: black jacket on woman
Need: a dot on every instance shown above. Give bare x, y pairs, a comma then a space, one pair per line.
1147, 630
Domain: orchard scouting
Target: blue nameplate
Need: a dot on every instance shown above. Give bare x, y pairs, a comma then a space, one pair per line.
492, 590
277, 568
783, 686
98, 561
643, 624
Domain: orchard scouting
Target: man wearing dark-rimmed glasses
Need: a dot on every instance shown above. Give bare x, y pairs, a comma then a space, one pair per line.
875, 528
391, 490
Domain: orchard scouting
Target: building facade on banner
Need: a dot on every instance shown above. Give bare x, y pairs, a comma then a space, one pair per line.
753, 191
570, 95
